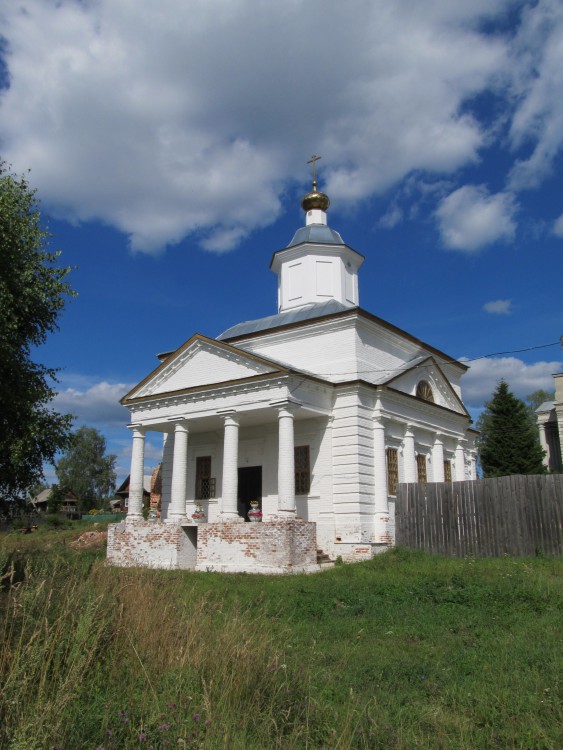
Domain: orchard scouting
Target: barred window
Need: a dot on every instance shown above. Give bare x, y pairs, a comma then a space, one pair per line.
204, 482
447, 471
421, 467
392, 470
302, 470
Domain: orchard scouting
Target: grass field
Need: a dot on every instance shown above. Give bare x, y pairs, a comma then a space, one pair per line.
405, 651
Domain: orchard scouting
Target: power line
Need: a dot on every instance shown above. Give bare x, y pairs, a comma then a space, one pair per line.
406, 367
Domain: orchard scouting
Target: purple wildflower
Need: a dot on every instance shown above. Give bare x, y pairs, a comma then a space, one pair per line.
109, 733
142, 737
165, 727
197, 717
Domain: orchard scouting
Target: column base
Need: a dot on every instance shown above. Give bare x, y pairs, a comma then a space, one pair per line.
285, 515
229, 518
177, 520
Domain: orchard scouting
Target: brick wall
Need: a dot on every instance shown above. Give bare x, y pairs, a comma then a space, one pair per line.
151, 545
273, 547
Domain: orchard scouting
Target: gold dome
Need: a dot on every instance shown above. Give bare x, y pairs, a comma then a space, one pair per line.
315, 199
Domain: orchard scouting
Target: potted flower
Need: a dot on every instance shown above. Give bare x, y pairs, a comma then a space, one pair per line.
199, 513
254, 514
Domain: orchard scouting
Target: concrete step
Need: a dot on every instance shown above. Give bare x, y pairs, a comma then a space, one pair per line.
323, 558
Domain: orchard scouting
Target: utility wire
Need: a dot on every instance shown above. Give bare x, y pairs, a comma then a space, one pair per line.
407, 367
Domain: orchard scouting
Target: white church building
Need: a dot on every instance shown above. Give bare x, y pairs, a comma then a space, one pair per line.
308, 419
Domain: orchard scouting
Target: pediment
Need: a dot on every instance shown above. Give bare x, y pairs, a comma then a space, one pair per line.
202, 362
429, 371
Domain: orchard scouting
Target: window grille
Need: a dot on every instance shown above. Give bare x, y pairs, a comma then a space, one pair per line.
392, 470
302, 470
205, 488
421, 467
447, 471
204, 482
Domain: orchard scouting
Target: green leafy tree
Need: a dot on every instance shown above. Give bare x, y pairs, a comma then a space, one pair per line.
508, 443
537, 398
33, 293
86, 470
55, 499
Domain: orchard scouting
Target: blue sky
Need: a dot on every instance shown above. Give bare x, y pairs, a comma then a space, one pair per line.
169, 142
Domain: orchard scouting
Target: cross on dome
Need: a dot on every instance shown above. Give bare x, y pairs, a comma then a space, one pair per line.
315, 203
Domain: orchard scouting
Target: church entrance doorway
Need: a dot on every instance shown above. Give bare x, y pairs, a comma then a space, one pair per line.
249, 488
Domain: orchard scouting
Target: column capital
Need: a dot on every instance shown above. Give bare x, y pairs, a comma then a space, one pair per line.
180, 424
286, 407
230, 417
137, 429
438, 439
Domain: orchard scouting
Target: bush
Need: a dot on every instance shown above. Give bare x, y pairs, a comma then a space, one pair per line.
53, 520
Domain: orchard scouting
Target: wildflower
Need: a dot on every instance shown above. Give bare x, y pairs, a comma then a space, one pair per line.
165, 727
171, 705
109, 733
197, 717
207, 722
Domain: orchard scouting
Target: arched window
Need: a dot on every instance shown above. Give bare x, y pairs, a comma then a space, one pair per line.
424, 391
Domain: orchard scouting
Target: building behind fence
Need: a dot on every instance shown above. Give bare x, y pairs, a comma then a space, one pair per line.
516, 515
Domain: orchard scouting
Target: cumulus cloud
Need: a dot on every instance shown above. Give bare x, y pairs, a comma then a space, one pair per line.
193, 118
96, 404
558, 226
537, 82
482, 378
498, 307
470, 218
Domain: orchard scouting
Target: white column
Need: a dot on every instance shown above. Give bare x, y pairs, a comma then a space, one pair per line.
409, 458
380, 467
542, 423
229, 505
286, 463
135, 507
177, 510
380, 491
438, 474
473, 463
460, 462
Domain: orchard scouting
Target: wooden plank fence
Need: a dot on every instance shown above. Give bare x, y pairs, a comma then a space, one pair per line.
516, 515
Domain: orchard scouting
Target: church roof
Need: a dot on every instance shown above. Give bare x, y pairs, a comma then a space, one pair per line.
285, 318
546, 406
332, 308
320, 233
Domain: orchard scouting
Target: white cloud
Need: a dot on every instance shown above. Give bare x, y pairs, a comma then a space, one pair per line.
558, 226
391, 217
537, 82
470, 218
96, 404
498, 307
480, 381
191, 118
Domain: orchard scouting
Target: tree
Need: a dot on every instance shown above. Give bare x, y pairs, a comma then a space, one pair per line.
537, 398
33, 293
508, 443
86, 470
